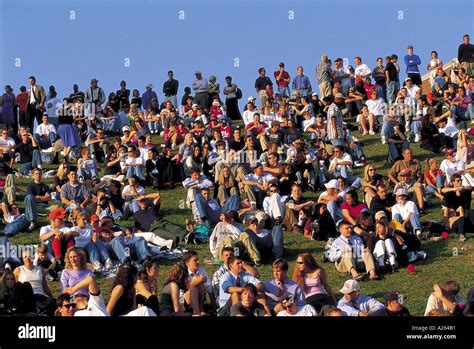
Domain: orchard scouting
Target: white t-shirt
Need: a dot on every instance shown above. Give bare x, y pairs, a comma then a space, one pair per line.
307, 123
266, 177
141, 311
135, 161
47, 229
376, 107
127, 190
306, 310
247, 116
363, 70
412, 91
95, 307
6, 143
346, 157
450, 168
405, 210
43, 129
85, 235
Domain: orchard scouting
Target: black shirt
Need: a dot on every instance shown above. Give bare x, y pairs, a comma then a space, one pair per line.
385, 312
26, 151
236, 145
170, 87
145, 218
466, 53
38, 189
392, 71
262, 82
453, 201
377, 204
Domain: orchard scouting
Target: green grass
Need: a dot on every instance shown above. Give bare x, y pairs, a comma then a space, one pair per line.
442, 263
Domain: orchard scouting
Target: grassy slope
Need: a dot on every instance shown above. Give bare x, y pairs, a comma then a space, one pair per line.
440, 265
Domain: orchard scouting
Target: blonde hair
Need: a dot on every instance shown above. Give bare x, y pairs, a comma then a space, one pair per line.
41, 248
221, 179
82, 258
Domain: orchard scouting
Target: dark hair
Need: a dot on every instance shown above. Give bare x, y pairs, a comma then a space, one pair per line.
126, 277
281, 263
232, 260
353, 193
188, 255
227, 249
195, 170
455, 176
147, 265
23, 88
63, 298
342, 223
32, 78
250, 288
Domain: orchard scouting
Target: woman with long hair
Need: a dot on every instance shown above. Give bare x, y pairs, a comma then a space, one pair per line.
368, 183
352, 207
172, 302
226, 185
122, 299
171, 171
312, 280
7, 286
195, 159
146, 287
321, 225
61, 178
431, 138
75, 270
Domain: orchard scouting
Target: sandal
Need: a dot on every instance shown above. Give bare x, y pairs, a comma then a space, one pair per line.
359, 277
374, 277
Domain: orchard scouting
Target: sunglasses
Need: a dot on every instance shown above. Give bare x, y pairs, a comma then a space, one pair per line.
371, 169
69, 306
273, 191
299, 262
457, 180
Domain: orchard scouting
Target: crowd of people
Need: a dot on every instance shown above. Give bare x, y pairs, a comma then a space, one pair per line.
244, 174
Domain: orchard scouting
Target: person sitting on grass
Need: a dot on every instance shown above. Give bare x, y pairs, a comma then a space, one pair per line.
15, 221
46, 261
231, 287
393, 306
313, 281
406, 213
208, 210
87, 167
352, 208
57, 235
348, 253
248, 306
434, 179
445, 298
355, 304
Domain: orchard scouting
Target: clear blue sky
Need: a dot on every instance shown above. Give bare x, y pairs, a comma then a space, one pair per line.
60, 51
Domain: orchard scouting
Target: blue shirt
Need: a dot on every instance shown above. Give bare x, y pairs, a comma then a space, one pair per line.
272, 291
363, 303
301, 82
230, 280
412, 62
147, 97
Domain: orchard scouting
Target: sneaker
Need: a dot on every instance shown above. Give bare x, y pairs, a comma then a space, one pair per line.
278, 221
371, 132
418, 233
7, 266
49, 150
49, 277
384, 140
421, 254
32, 226
417, 138
462, 237
358, 164
365, 133
412, 257
109, 264
97, 266
394, 268
189, 238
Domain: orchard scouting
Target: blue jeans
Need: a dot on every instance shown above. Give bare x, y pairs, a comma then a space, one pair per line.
96, 251
338, 141
21, 224
414, 223
284, 91
335, 211
136, 243
90, 173
303, 93
31, 207
393, 150
36, 162
462, 117
416, 127
392, 91
274, 240
135, 171
206, 211
46, 143
387, 128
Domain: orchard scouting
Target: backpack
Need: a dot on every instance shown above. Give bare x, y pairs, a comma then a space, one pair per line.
238, 93
201, 233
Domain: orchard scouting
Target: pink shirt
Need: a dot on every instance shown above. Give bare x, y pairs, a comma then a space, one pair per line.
354, 211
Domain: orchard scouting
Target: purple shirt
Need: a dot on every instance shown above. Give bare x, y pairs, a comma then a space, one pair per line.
69, 278
464, 102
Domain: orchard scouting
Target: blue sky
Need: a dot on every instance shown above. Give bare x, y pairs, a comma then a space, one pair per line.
60, 51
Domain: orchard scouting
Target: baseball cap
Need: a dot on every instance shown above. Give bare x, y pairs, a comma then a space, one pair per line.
408, 78
332, 184
390, 296
251, 220
94, 80
401, 191
281, 64
197, 72
251, 99
149, 86
405, 172
450, 151
379, 215
287, 298
57, 214
350, 286
314, 94
339, 95
94, 218
125, 128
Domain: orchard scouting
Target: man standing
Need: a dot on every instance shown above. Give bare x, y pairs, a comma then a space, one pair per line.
95, 97
301, 83
200, 87
379, 76
362, 71
76, 94
412, 62
283, 80
466, 55
335, 121
123, 95
148, 96
323, 77
170, 89
231, 99
392, 79
342, 75
36, 100
261, 85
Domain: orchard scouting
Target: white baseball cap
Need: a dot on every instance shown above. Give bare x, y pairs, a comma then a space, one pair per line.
350, 286
332, 184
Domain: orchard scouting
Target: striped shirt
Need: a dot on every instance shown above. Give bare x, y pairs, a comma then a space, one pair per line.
336, 113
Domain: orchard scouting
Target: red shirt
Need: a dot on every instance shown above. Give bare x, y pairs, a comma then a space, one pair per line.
226, 131
22, 100
354, 211
256, 130
429, 176
282, 82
